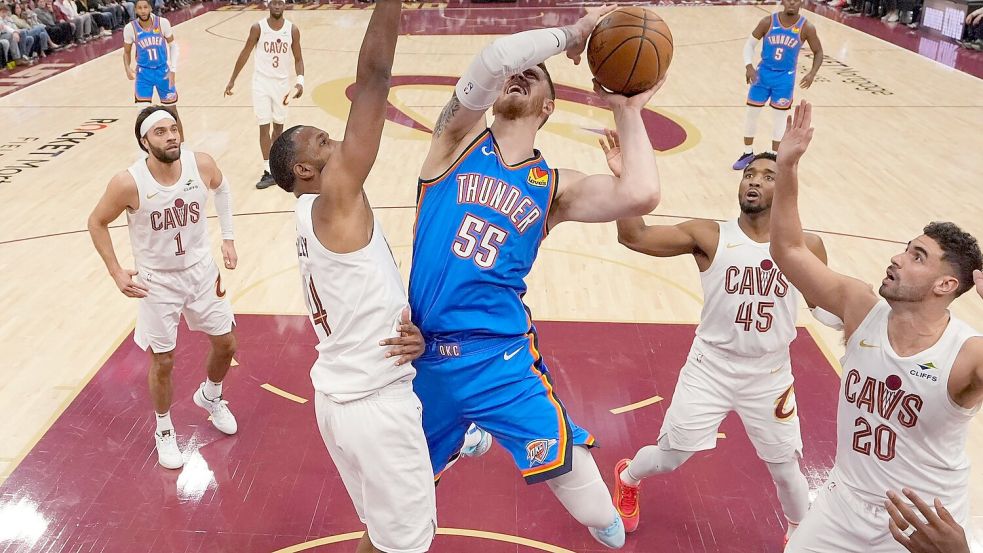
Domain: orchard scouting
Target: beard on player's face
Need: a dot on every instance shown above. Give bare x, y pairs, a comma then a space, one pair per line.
165, 153
748, 208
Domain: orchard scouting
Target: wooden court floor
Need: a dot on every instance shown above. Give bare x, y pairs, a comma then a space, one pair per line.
897, 145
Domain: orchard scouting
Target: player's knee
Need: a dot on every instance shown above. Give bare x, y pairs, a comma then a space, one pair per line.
225, 346
787, 475
163, 364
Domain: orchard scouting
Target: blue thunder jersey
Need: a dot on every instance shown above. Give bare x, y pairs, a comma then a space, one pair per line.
780, 51
477, 233
151, 45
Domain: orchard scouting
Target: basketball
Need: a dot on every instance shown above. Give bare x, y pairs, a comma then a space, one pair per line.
630, 50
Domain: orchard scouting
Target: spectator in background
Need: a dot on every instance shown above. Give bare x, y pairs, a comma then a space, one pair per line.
974, 30
20, 44
60, 31
102, 18
83, 25
4, 53
42, 40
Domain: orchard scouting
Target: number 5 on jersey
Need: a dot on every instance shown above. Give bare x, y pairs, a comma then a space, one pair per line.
480, 240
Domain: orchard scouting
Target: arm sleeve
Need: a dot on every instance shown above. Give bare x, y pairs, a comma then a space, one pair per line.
223, 207
749, 47
481, 85
128, 36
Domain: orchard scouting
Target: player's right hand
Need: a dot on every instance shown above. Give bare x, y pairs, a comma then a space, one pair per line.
940, 533
228, 88
751, 74
129, 287
798, 134
582, 30
130, 73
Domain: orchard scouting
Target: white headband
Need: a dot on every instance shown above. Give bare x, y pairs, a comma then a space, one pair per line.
154, 118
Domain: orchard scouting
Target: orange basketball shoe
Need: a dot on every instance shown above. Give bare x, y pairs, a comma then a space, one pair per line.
626, 498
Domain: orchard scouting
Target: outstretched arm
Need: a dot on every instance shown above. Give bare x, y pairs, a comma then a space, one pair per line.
601, 198
348, 168
464, 115
247, 48
847, 298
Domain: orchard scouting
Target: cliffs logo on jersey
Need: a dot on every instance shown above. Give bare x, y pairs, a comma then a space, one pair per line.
924, 370
180, 215
538, 450
277, 46
538, 177
885, 398
474, 188
762, 280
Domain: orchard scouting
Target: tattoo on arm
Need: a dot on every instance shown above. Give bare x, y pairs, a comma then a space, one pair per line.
450, 110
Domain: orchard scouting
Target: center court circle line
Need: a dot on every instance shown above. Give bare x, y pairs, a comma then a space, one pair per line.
481, 534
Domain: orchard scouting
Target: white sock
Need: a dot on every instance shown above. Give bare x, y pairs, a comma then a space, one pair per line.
748, 148
164, 422
213, 390
627, 478
266, 165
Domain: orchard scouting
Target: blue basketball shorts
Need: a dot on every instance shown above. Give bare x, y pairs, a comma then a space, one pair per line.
502, 385
150, 78
778, 86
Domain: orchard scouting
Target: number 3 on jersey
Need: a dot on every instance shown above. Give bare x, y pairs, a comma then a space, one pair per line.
480, 240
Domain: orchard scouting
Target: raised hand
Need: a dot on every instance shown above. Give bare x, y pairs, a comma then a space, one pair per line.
582, 29
798, 135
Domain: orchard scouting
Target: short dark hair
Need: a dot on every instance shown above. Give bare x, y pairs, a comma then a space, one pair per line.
959, 249
144, 114
764, 155
282, 156
147, 1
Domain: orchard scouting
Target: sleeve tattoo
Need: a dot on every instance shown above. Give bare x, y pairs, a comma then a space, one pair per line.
450, 110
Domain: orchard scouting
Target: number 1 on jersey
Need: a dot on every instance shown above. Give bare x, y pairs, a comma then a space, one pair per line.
180, 248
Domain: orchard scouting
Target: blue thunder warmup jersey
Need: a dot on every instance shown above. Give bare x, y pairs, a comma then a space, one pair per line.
780, 51
151, 45
478, 231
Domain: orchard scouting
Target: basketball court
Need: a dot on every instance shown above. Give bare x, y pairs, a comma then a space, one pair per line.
897, 145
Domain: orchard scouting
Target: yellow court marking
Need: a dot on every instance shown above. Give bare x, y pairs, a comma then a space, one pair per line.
636, 405
480, 534
234, 362
271, 388
721, 435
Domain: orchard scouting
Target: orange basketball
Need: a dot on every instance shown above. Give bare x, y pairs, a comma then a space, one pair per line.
630, 50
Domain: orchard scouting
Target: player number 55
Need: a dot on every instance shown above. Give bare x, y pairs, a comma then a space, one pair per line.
478, 239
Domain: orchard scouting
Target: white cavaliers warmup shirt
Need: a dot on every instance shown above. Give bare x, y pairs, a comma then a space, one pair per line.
274, 56
355, 300
168, 231
896, 424
749, 307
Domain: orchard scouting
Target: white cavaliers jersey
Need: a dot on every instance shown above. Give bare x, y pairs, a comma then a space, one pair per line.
355, 300
274, 57
749, 307
896, 425
168, 231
